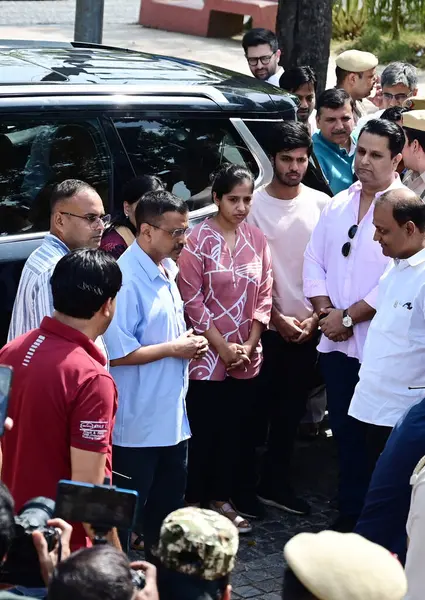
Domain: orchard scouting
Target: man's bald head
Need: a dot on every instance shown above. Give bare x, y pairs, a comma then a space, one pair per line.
399, 219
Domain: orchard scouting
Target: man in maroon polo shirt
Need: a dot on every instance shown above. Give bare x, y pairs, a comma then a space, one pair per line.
63, 400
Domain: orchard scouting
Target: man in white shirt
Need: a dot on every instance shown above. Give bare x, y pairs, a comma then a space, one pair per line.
342, 268
262, 54
394, 351
287, 212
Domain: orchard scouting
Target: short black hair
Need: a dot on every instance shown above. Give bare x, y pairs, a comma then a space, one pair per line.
154, 204
97, 573
289, 135
393, 113
415, 134
410, 208
180, 586
83, 280
294, 78
332, 98
342, 74
293, 589
393, 132
228, 176
132, 191
7, 522
66, 189
258, 36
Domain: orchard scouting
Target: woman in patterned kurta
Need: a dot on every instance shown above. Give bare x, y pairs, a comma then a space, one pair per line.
226, 283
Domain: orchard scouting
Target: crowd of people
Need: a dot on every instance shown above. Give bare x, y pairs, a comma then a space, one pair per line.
177, 351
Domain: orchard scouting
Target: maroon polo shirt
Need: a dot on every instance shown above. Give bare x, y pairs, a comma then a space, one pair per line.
62, 396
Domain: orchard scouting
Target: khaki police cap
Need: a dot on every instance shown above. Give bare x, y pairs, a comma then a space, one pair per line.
336, 566
414, 119
198, 542
414, 103
356, 61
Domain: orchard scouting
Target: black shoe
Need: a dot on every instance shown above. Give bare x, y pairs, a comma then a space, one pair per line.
285, 500
249, 506
344, 524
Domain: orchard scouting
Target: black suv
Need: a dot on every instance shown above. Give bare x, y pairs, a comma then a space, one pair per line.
105, 115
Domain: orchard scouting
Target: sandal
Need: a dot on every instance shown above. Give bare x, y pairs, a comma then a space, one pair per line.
227, 510
137, 542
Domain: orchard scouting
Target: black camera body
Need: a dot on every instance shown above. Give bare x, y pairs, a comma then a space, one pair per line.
22, 565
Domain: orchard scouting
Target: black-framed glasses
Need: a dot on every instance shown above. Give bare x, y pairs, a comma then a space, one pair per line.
346, 248
175, 233
92, 220
265, 60
399, 98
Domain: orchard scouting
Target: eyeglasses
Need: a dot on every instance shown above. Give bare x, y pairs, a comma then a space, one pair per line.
92, 220
400, 98
253, 62
347, 246
175, 233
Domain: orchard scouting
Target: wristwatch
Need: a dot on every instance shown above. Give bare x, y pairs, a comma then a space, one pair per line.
347, 321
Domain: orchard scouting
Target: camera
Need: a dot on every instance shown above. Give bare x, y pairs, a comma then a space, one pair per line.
22, 565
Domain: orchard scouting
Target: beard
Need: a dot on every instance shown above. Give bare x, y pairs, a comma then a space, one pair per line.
286, 180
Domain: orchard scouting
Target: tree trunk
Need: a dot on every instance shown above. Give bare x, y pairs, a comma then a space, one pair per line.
396, 13
304, 29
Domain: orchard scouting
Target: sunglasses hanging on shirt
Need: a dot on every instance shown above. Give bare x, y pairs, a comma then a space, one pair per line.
346, 248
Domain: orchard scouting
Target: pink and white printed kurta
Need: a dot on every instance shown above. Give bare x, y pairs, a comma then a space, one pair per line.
226, 289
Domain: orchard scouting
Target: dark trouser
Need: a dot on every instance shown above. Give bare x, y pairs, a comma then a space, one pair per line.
221, 450
285, 381
159, 476
341, 374
376, 438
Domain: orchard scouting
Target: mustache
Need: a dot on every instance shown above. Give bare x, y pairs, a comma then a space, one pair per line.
338, 132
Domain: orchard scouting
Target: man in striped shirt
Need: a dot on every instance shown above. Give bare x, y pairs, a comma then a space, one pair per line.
77, 221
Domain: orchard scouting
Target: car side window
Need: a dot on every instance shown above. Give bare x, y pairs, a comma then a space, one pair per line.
35, 155
184, 153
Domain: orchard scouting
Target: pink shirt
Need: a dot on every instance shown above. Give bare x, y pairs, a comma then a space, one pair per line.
345, 280
226, 289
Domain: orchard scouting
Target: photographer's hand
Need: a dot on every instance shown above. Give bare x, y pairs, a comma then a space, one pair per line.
150, 591
49, 560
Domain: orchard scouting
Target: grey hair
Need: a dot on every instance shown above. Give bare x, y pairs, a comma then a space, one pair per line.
400, 73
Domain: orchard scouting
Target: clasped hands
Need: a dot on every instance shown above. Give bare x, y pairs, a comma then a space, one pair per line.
332, 327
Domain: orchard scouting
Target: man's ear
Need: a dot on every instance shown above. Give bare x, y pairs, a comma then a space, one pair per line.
227, 593
278, 55
107, 307
396, 161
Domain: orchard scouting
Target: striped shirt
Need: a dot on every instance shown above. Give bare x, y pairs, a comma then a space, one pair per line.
34, 299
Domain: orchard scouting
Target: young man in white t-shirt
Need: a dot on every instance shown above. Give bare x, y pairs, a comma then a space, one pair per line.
287, 212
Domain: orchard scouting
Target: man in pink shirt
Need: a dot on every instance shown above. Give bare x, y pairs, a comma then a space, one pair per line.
287, 212
342, 268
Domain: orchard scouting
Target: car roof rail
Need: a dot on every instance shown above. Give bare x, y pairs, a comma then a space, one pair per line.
33, 44
101, 47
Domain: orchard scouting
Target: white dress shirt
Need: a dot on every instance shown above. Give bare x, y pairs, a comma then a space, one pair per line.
345, 280
274, 79
394, 352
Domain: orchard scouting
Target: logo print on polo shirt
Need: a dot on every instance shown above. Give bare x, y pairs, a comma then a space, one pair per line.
32, 349
94, 431
408, 305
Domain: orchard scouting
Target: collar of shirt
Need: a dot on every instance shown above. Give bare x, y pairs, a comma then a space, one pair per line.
335, 147
412, 261
275, 78
151, 269
356, 187
52, 325
52, 240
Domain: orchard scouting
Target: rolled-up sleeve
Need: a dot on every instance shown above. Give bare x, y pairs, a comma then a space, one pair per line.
264, 301
120, 337
190, 282
372, 297
314, 271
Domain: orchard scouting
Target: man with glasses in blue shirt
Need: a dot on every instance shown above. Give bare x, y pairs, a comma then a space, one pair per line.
77, 221
150, 347
262, 54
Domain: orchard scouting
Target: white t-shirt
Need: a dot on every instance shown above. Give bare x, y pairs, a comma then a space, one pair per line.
287, 225
394, 351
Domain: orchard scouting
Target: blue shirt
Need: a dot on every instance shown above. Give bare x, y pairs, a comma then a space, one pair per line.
384, 516
34, 299
335, 162
151, 397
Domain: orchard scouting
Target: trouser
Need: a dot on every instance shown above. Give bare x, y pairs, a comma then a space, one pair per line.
341, 374
376, 438
285, 380
221, 450
159, 476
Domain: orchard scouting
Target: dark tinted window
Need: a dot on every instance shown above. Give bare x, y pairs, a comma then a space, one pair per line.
184, 153
34, 156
